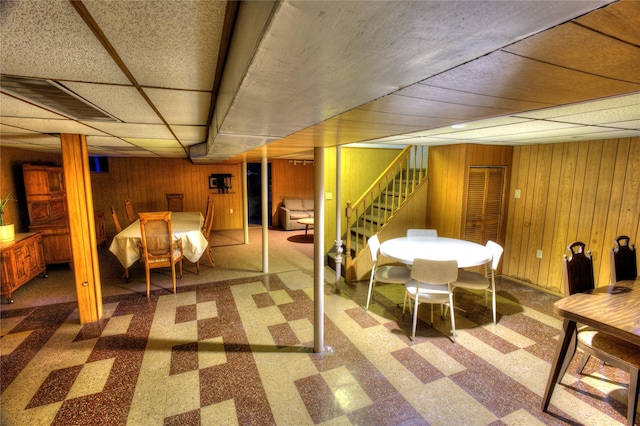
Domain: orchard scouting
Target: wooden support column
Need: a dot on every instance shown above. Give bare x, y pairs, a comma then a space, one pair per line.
75, 162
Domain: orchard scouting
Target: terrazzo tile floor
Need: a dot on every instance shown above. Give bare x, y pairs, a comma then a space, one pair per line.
235, 346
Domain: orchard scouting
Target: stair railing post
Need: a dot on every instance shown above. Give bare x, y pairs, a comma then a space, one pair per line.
348, 259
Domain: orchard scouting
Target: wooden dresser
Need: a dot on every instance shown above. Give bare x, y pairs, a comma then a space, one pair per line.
22, 259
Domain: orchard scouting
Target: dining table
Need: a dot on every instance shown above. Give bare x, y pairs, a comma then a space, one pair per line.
184, 225
613, 309
406, 249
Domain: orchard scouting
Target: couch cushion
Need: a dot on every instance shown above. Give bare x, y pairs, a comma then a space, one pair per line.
292, 203
307, 204
298, 214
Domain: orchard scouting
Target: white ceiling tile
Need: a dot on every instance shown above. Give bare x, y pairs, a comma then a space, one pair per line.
603, 116
51, 126
182, 107
153, 143
106, 141
48, 39
190, 133
124, 130
12, 107
585, 107
123, 102
172, 44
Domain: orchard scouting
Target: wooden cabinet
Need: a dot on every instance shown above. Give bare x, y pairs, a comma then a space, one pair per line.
56, 242
48, 214
22, 259
47, 206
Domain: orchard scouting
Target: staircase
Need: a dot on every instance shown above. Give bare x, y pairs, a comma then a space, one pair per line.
379, 203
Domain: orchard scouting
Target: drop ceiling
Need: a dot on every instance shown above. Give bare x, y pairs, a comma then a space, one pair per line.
217, 81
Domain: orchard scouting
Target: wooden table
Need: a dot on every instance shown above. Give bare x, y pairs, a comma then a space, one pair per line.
184, 225
306, 222
614, 310
405, 249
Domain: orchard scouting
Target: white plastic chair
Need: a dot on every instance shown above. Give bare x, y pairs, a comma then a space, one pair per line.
390, 274
414, 232
475, 281
431, 282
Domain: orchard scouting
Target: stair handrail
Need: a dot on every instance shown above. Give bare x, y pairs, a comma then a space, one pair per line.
412, 158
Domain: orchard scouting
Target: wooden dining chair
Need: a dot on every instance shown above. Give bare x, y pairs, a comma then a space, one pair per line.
623, 260
432, 282
578, 277
487, 281
116, 222
128, 208
159, 248
390, 274
207, 226
174, 202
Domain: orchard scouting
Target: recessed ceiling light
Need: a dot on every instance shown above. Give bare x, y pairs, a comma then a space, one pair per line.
458, 126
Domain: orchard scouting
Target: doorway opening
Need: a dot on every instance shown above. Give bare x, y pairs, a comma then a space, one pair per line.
254, 193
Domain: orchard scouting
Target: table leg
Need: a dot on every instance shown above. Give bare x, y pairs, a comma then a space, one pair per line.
564, 344
306, 230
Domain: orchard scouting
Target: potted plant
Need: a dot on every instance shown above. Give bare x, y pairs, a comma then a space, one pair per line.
7, 232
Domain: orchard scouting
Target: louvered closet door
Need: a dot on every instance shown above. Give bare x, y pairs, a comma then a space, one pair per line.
485, 195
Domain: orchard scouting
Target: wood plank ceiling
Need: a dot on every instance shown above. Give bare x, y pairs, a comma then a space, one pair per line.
218, 81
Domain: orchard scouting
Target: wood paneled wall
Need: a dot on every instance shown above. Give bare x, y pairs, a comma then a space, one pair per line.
585, 191
447, 175
289, 181
146, 181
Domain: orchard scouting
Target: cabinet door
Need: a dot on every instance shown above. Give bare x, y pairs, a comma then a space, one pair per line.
39, 212
485, 196
35, 263
22, 264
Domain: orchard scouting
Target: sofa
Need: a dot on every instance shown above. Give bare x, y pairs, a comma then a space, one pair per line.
293, 209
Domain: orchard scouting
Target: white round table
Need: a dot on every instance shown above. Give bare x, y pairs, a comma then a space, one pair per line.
405, 249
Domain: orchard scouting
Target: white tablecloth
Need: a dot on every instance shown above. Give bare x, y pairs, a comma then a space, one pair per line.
184, 225
405, 249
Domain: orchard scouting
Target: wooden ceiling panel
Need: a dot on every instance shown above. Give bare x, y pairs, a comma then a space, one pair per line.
402, 105
367, 116
425, 91
579, 48
528, 80
620, 20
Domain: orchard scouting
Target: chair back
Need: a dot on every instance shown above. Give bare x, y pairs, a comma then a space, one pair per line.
208, 218
434, 271
422, 233
623, 260
156, 236
129, 209
374, 246
496, 251
116, 222
174, 202
578, 269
